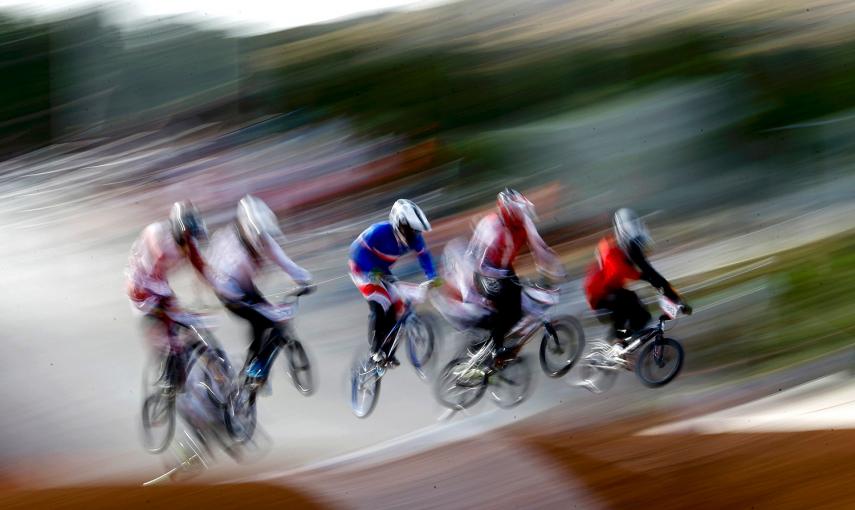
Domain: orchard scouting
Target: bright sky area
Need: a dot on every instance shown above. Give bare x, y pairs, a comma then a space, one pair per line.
261, 15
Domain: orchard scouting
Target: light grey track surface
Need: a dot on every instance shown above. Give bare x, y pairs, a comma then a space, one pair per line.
73, 355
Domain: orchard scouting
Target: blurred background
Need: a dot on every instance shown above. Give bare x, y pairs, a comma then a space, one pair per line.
729, 124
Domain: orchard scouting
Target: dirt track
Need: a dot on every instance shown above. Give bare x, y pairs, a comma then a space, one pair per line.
540, 464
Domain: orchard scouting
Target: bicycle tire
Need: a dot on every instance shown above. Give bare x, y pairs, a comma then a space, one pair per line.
420, 355
473, 391
300, 368
550, 344
358, 371
158, 444
647, 354
525, 382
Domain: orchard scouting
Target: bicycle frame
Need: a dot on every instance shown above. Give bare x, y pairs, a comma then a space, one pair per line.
409, 302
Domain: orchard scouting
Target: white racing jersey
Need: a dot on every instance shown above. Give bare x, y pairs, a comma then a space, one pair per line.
234, 267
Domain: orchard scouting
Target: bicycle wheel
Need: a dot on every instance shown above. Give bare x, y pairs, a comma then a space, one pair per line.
364, 387
158, 421
460, 384
420, 343
659, 362
300, 367
510, 386
597, 379
561, 346
240, 415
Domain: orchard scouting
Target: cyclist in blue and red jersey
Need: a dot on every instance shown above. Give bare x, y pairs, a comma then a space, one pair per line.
372, 255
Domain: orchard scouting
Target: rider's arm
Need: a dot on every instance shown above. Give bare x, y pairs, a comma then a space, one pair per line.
197, 261
275, 253
650, 275
425, 259
545, 258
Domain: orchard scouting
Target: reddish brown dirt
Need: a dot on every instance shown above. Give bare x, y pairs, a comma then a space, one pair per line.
538, 464
241, 497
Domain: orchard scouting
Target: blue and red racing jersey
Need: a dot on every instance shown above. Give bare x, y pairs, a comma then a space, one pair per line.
377, 249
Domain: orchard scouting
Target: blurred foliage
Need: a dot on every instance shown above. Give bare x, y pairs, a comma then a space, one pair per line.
806, 311
389, 75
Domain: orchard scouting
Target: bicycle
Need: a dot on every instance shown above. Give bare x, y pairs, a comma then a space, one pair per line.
158, 409
465, 379
241, 417
367, 372
657, 352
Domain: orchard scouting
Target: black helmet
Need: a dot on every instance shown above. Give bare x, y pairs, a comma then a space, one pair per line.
186, 222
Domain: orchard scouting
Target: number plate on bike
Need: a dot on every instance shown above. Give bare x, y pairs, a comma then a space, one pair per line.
670, 308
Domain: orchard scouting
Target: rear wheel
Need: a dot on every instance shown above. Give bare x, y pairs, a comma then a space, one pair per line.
659, 362
563, 342
364, 387
460, 384
300, 367
513, 384
597, 377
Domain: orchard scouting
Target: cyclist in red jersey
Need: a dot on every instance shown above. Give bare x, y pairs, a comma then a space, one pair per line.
497, 241
620, 260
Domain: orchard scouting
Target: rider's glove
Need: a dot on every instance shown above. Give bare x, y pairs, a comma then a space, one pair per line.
685, 308
307, 288
435, 282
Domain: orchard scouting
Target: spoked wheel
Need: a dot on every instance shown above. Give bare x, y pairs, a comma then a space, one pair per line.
461, 384
300, 367
597, 378
158, 420
659, 362
420, 343
364, 387
562, 344
240, 415
158, 408
511, 385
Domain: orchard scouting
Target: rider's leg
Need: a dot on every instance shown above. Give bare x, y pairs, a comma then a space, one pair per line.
507, 299
259, 324
267, 355
634, 310
162, 336
615, 303
383, 304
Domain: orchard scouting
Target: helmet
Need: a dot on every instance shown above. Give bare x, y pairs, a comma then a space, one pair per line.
254, 219
629, 228
407, 219
186, 223
514, 207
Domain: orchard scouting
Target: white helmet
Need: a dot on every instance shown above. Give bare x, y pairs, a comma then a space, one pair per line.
254, 218
406, 219
629, 228
514, 207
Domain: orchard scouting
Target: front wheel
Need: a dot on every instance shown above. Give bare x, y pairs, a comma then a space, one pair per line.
659, 362
300, 367
461, 384
563, 342
420, 343
158, 421
513, 384
364, 387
